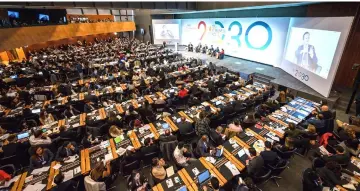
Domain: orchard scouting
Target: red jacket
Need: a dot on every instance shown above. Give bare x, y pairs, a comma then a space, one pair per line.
183, 93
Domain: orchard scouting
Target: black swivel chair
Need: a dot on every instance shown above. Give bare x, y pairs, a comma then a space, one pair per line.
277, 169
317, 163
147, 159
262, 176
286, 155
128, 168
187, 136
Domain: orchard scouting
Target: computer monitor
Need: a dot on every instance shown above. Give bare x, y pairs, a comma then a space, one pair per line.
165, 126
13, 76
218, 103
182, 188
219, 152
203, 177
13, 14
43, 17
117, 139
35, 111
23, 135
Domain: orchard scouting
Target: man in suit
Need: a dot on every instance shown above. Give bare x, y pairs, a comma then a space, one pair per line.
167, 137
270, 157
67, 134
89, 106
305, 54
185, 126
217, 136
71, 111
203, 148
255, 163
68, 149
149, 147
342, 156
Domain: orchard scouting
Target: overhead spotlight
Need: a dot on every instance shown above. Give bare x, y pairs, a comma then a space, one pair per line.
115, 33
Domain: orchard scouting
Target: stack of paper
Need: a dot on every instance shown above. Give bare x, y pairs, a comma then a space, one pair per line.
35, 187
232, 168
40, 170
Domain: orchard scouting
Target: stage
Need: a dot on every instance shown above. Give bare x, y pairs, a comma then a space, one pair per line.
266, 73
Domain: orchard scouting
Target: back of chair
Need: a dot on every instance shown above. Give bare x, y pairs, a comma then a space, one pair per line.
128, 168
262, 175
147, 159
168, 148
187, 136
91, 185
317, 163
285, 154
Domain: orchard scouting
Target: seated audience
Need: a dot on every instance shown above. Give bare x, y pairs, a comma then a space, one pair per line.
217, 136
46, 118
203, 148
270, 157
158, 169
41, 157
137, 182
149, 147
341, 156
68, 149
255, 163
39, 138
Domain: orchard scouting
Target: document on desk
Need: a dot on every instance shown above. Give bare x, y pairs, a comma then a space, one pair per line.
57, 166
349, 186
35, 187
7, 183
169, 183
71, 159
68, 175
77, 170
170, 171
232, 168
40, 170
241, 153
210, 159
76, 125
108, 157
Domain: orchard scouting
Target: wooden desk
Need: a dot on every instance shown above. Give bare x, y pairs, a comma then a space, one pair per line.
154, 131
113, 149
64, 100
61, 122
231, 158
259, 137
135, 103
147, 97
81, 96
83, 161
52, 174
134, 140
82, 119
281, 135
119, 108
182, 113
240, 142
213, 170
162, 96
102, 113
171, 123
190, 184
19, 183
87, 160
243, 88
278, 121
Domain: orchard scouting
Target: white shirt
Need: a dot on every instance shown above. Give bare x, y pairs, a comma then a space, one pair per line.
39, 141
179, 157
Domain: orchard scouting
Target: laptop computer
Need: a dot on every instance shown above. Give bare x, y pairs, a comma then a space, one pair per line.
182, 188
165, 126
23, 135
219, 152
203, 177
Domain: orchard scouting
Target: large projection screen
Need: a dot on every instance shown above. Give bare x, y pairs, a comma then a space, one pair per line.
167, 30
257, 39
313, 50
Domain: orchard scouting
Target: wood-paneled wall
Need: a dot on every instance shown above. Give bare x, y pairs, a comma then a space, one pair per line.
19, 37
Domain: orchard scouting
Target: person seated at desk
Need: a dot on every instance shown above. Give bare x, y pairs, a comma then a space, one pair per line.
71, 111
88, 140
233, 129
41, 157
113, 120
149, 147
179, 81
89, 106
203, 148
39, 138
346, 127
270, 157
131, 111
158, 170
68, 149
262, 111
318, 121
193, 100
330, 174
325, 112
341, 156
66, 133
86, 88
69, 185
160, 101
217, 136
11, 146
183, 92
101, 172
181, 155
352, 146
255, 163
214, 185
189, 78
46, 118
114, 131
138, 182
167, 137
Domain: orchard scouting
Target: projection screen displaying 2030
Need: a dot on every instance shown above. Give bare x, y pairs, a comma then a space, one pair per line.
313, 50
166, 30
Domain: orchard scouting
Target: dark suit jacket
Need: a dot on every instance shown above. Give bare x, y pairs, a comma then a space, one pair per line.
341, 159
63, 154
36, 163
255, 165
201, 149
164, 138
88, 109
270, 157
68, 114
185, 127
216, 137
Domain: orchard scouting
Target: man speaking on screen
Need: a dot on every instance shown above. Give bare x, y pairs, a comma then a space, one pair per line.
305, 54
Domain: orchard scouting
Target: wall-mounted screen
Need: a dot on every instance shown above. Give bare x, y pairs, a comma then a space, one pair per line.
313, 50
166, 30
13, 14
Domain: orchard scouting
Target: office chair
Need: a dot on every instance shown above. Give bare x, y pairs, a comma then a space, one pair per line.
276, 170
261, 176
147, 159
128, 168
187, 136
317, 163
286, 155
